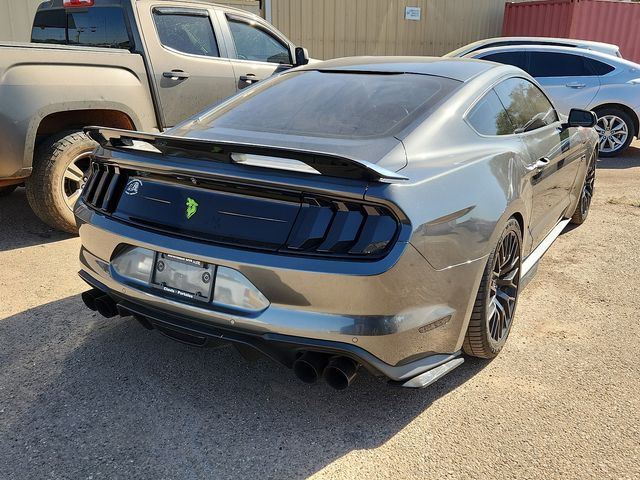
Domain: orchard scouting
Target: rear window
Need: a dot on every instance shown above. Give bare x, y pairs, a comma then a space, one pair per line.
334, 104
93, 27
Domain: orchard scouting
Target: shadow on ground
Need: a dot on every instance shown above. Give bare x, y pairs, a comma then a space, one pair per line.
630, 158
82, 396
19, 225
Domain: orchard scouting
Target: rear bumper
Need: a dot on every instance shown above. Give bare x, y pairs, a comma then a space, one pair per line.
398, 315
284, 349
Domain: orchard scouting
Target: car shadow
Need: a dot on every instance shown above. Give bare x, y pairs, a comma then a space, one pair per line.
630, 158
83, 395
20, 227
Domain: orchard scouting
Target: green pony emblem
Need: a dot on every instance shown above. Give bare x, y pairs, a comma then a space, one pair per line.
192, 207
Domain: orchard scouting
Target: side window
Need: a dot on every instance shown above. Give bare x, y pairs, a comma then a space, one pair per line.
597, 67
254, 43
191, 34
93, 27
517, 59
551, 64
527, 106
489, 117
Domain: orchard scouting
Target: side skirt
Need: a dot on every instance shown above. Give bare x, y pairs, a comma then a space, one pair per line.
530, 264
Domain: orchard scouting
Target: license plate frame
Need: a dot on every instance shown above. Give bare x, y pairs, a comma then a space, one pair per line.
183, 277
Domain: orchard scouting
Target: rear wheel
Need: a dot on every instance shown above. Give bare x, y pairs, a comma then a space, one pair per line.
616, 130
60, 168
497, 297
582, 209
4, 191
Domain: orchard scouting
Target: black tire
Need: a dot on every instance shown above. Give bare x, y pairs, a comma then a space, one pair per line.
48, 190
487, 333
631, 132
4, 191
586, 193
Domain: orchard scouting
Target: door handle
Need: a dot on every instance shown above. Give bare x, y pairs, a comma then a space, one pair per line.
176, 75
249, 78
575, 85
541, 164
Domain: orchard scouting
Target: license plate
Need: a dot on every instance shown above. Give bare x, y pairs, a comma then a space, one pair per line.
183, 277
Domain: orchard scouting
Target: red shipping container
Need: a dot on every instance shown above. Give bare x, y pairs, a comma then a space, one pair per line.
607, 21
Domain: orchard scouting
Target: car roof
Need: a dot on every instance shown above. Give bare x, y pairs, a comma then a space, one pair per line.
611, 59
609, 48
461, 69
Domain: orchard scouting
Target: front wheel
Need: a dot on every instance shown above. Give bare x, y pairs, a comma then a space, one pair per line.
497, 297
616, 130
60, 168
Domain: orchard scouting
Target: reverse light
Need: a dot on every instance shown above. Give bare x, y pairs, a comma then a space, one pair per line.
635, 81
77, 3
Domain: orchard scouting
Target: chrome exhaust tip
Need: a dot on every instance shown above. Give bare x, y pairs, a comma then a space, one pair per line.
309, 367
340, 372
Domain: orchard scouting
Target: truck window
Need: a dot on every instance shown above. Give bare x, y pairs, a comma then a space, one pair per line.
191, 34
91, 27
255, 44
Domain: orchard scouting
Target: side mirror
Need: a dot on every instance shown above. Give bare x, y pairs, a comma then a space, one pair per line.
581, 118
302, 56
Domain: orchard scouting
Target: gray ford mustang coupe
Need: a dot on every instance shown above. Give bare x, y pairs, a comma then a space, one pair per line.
376, 214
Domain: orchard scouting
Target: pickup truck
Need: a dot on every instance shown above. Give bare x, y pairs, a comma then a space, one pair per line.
133, 64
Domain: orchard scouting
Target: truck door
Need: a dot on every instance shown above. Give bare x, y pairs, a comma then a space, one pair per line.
256, 50
189, 71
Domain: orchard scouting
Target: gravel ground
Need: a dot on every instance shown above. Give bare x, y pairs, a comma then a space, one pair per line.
86, 397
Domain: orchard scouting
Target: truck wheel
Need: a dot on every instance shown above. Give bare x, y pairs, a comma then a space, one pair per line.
4, 191
60, 167
497, 297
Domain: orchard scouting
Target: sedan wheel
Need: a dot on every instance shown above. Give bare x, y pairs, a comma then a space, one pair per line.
497, 297
615, 129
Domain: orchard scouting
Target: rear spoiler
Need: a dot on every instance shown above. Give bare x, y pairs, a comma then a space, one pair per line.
242, 153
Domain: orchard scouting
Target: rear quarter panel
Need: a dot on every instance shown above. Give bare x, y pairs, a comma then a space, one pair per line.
462, 188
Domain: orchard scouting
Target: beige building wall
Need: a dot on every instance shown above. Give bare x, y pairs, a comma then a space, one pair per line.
338, 28
16, 17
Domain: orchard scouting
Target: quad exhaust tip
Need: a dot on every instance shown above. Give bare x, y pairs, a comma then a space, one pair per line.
95, 300
340, 372
309, 367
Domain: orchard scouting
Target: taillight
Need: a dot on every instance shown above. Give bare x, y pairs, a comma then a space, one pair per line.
77, 3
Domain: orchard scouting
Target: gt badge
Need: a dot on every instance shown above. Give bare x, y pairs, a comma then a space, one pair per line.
192, 207
132, 187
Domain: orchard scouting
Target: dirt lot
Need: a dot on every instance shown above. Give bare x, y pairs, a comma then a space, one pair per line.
86, 397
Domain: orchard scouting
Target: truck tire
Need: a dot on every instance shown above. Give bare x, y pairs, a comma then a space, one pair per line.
60, 167
4, 191
495, 305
